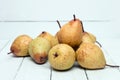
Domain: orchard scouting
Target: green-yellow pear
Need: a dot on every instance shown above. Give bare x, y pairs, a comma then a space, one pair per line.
61, 57
71, 33
38, 49
53, 40
88, 37
20, 45
90, 56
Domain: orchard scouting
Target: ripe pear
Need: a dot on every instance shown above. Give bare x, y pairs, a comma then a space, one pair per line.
57, 34
90, 56
20, 45
53, 40
71, 33
88, 37
61, 57
38, 49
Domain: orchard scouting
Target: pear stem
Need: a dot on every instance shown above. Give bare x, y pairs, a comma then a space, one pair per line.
9, 53
43, 32
98, 43
59, 24
74, 17
82, 26
115, 66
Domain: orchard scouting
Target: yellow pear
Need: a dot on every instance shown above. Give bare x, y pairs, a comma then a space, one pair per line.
88, 37
57, 34
90, 56
20, 45
61, 57
38, 49
71, 33
53, 40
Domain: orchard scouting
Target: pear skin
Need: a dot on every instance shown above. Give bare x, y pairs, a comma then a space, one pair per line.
61, 57
88, 37
71, 33
53, 40
90, 56
38, 49
20, 45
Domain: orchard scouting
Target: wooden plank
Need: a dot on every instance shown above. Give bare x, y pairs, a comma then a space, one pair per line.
108, 73
104, 74
32, 71
75, 73
3, 44
9, 65
32, 29
38, 11
112, 46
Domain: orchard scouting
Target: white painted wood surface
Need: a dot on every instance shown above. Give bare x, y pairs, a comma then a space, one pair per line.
102, 18
9, 65
62, 9
15, 68
3, 44
75, 73
32, 71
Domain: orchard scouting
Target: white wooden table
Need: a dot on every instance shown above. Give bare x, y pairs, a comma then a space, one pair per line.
102, 18
19, 68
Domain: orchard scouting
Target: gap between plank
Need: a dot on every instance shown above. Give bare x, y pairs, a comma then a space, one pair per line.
51, 73
4, 45
18, 68
86, 74
53, 20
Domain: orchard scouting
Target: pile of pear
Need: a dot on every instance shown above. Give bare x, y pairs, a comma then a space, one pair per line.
36, 48
88, 54
69, 45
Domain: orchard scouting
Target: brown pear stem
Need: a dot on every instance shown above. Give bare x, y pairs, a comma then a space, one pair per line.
98, 43
74, 17
114, 66
9, 53
80, 22
82, 26
43, 32
59, 24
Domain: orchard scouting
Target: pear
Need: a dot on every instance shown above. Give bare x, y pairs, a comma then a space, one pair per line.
53, 40
90, 56
20, 45
71, 33
88, 37
38, 49
61, 57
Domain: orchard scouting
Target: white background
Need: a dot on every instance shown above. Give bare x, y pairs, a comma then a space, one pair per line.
59, 9
105, 12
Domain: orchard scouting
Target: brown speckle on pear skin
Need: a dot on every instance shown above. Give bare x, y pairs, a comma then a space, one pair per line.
82, 56
40, 58
55, 55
